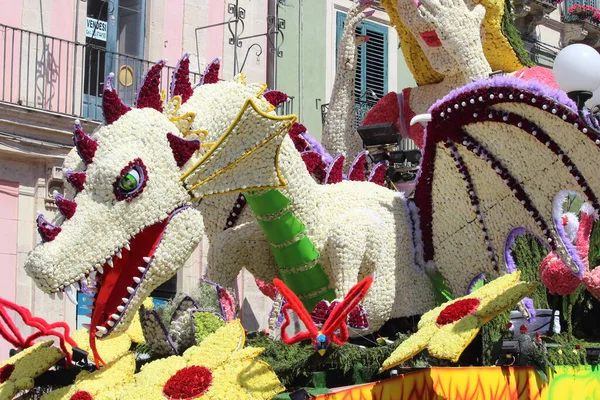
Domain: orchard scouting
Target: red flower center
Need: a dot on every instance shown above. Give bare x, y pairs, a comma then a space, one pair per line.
6, 371
82, 395
457, 311
188, 383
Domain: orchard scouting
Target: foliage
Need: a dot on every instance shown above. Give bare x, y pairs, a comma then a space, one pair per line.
564, 349
206, 323
204, 295
514, 36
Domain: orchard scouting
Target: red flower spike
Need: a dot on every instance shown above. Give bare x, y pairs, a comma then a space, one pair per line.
65, 206
457, 311
523, 329
314, 164
112, 106
335, 170
183, 149
10, 332
266, 288
81, 395
275, 97
188, 383
320, 313
76, 179
5, 372
357, 318
334, 329
149, 94
300, 142
86, 146
211, 73
47, 230
227, 303
358, 167
378, 172
180, 81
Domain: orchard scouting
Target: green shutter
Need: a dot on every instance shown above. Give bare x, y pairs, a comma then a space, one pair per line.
372, 66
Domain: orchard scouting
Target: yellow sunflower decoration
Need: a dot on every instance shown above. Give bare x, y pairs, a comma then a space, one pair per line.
447, 330
18, 372
218, 368
100, 384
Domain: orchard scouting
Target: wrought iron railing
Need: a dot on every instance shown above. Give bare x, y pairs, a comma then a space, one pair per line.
361, 108
51, 74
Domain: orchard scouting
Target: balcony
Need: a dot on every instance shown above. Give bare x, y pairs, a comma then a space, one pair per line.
531, 13
48, 74
581, 23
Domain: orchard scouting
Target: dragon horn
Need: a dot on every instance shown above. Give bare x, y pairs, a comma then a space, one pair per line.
180, 81
76, 179
47, 230
340, 313
86, 146
65, 206
112, 106
211, 73
149, 94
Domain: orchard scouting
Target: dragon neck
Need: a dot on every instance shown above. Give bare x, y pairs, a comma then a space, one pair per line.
339, 134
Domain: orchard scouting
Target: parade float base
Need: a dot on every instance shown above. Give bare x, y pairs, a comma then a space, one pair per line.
477, 383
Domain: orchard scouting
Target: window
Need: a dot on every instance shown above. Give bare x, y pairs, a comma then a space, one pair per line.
371, 71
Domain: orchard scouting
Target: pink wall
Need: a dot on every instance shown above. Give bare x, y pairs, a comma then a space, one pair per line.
214, 44
173, 30
58, 65
9, 199
12, 14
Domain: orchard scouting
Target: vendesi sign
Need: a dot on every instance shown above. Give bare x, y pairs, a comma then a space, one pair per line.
96, 29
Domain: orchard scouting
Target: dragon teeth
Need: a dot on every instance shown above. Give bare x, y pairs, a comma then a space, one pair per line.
101, 329
130, 290
127, 246
109, 261
100, 269
52, 295
61, 295
76, 285
99, 334
125, 300
70, 295
142, 269
136, 279
86, 326
146, 259
88, 315
110, 323
119, 254
115, 317
121, 308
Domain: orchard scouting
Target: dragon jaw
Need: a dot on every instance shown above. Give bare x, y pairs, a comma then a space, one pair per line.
126, 243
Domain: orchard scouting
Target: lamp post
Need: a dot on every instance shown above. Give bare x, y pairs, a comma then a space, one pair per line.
577, 72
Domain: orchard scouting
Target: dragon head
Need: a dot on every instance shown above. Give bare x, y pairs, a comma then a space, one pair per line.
131, 223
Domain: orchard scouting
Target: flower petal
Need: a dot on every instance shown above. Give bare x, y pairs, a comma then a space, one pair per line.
410, 347
247, 353
110, 349
246, 379
157, 373
217, 347
496, 286
452, 339
492, 305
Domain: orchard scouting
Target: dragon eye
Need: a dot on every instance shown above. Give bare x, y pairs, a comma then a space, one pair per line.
131, 181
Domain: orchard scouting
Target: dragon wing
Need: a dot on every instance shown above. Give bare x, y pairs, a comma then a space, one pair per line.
497, 153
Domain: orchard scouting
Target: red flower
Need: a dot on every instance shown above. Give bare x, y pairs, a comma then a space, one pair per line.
82, 395
6, 371
457, 311
538, 337
508, 325
275, 97
188, 383
577, 347
523, 329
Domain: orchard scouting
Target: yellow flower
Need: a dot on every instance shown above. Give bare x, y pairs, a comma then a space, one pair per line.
218, 368
134, 331
18, 372
110, 349
447, 330
100, 384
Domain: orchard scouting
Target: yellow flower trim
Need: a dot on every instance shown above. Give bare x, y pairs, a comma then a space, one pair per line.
236, 374
496, 47
450, 340
28, 365
99, 384
110, 349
